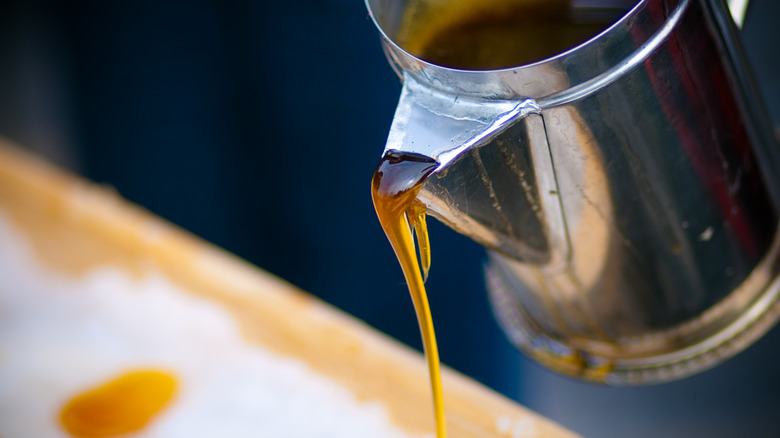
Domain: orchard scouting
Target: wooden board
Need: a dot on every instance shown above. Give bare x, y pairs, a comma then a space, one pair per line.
75, 227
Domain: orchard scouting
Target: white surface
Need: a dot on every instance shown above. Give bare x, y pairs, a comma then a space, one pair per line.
60, 336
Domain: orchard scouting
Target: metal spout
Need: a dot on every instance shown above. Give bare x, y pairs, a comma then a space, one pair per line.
443, 126
477, 143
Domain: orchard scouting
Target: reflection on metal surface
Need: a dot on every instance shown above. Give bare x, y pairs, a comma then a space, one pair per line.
738, 9
700, 343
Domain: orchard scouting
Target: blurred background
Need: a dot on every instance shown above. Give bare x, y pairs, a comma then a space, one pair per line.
257, 125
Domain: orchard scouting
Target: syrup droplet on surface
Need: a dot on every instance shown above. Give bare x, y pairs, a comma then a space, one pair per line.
123, 405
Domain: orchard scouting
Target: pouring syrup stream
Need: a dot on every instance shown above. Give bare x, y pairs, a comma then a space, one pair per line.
394, 189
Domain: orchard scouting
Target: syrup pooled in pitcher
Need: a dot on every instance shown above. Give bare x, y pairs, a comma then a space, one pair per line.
500, 34
394, 189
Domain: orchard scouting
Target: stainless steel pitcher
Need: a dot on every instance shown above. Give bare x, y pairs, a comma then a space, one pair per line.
626, 189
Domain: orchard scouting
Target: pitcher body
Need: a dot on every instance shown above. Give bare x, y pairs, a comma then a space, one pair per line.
625, 188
